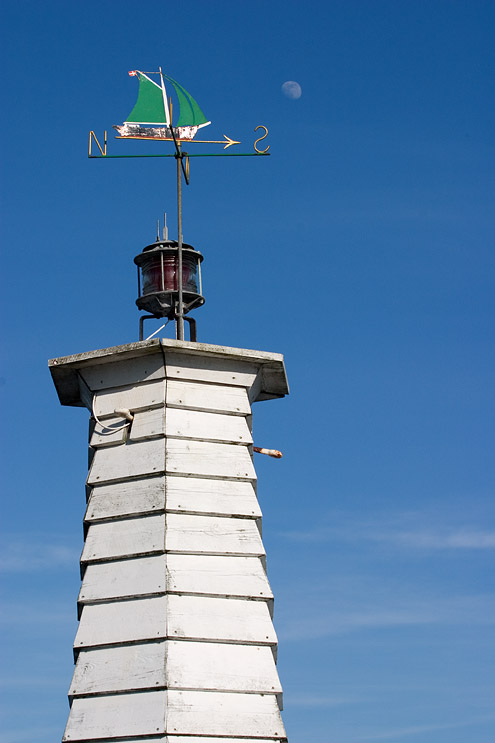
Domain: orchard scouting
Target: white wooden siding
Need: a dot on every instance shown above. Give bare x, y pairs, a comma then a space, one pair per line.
133, 459
216, 713
229, 620
206, 459
210, 369
125, 668
122, 621
221, 667
202, 739
209, 397
213, 535
148, 424
116, 716
126, 498
123, 579
195, 424
140, 397
218, 576
106, 435
112, 539
216, 497
124, 373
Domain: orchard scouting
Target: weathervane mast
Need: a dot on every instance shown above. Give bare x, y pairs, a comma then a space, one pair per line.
169, 284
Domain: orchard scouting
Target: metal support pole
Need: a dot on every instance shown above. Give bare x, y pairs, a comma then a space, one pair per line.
180, 312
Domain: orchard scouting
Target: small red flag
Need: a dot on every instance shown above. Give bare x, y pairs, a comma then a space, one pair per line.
132, 73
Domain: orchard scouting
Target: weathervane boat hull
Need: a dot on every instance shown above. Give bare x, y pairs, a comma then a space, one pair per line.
134, 131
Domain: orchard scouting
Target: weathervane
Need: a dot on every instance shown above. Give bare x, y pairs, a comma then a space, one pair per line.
161, 263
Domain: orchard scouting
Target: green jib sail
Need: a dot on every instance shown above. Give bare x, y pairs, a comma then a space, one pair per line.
149, 108
190, 112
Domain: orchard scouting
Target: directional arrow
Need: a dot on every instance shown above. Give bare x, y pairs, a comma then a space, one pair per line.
229, 141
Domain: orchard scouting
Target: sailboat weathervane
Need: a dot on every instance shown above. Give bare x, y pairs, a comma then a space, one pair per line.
160, 264
151, 118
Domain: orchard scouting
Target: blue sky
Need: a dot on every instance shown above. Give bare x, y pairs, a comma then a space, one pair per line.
362, 249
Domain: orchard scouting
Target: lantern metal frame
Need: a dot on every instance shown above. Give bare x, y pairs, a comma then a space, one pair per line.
163, 300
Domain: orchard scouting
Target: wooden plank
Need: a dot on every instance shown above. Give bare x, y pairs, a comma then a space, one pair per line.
217, 713
206, 459
133, 459
116, 716
124, 668
124, 373
135, 398
214, 535
112, 539
148, 424
231, 371
122, 621
111, 434
126, 498
221, 667
208, 397
218, 576
216, 497
123, 579
195, 424
227, 620
202, 739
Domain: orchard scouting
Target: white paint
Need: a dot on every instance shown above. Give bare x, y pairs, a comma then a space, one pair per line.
135, 398
133, 459
221, 667
229, 620
124, 668
213, 535
125, 538
123, 579
215, 713
207, 459
218, 576
122, 621
147, 424
202, 739
126, 498
227, 371
208, 397
194, 424
124, 373
216, 497
106, 436
116, 716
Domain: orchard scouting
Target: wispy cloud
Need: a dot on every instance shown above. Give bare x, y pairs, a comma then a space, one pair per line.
28, 554
417, 729
374, 610
463, 538
403, 530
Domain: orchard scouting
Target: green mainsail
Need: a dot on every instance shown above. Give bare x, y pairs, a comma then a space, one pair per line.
149, 108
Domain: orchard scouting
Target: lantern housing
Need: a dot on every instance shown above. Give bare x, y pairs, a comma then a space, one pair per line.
158, 269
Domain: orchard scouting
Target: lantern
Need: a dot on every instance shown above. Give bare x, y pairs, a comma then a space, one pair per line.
158, 274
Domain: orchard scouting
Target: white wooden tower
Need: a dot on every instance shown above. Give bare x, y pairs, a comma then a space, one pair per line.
175, 641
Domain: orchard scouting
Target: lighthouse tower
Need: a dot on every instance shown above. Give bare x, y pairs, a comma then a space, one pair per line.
175, 641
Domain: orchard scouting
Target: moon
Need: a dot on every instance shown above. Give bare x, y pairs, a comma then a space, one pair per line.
291, 89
